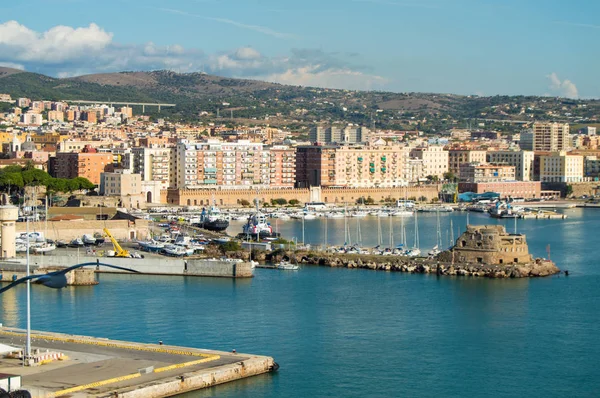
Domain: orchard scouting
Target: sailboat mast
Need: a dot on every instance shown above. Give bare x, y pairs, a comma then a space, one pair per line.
391, 232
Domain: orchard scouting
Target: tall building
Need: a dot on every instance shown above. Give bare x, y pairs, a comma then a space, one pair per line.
522, 160
456, 157
336, 135
233, 164
350, 166
560, 167
435, 159
153, 164
85, 164
550, 137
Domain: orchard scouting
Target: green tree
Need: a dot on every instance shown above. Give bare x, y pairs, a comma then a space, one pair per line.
449, 176
279, 201
432, 178
84, 183
34, 176
568, 190
294, 202
231, 246
244, 202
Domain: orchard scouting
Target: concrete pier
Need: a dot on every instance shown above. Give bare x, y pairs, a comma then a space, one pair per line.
97, 367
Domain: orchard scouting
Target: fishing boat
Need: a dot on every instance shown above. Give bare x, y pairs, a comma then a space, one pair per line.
99, 238
287, 266
61, 243
176, 251
212, 220
257, 227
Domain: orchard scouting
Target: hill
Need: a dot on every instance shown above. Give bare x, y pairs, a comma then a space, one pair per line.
254, 101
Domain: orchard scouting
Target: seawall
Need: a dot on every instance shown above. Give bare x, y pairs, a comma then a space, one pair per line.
536, 268
152, 266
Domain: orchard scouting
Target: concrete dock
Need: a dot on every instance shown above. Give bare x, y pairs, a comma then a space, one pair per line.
97, 367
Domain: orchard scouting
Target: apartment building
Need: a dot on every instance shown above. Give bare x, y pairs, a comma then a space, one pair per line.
351, 166
337, 135
475, 172
521, 160
456, 157
153, 164
84, 164
550, 137
561, 167
434, 157
233, 164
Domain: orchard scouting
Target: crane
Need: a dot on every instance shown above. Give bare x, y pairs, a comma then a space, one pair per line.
119, 251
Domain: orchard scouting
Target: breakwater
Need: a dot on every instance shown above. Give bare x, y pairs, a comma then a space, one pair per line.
536, 268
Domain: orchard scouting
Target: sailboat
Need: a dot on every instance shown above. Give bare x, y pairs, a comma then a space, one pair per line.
415, 251
438, 242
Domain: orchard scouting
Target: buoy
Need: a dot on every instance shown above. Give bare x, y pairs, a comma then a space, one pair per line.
566, 272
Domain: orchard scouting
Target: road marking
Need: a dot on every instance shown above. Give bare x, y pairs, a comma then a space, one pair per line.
205, 358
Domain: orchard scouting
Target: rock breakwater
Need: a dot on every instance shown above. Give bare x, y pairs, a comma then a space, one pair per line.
536, 268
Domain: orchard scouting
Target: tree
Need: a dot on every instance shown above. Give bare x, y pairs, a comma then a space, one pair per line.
32, 176
568, 190
432, 178
84, 183
244, 202
279, 201
231, 246
294, 202
449, 176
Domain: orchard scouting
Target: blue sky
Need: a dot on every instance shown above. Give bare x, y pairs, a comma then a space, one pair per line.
453, 46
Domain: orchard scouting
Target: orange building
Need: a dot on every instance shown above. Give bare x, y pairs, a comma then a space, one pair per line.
85, 164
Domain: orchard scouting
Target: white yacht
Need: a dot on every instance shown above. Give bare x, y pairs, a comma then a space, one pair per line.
287, 266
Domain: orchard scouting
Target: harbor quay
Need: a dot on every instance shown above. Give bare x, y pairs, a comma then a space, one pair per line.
83, 366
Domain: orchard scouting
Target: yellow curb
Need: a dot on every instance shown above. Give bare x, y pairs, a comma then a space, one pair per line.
206, 358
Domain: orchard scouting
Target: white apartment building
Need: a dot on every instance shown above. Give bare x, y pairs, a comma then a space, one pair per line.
560, 167
435, 159
522, 160
155, 164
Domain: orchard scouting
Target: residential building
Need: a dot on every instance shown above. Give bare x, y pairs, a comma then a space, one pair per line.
56, 116
435, 159
550, 137
475, 172
456, 157
153, 164
32, 118
120, 183
89, 164
234, 164
561, 167
337, 135
515, 189
351, 166
589, 130
521, 160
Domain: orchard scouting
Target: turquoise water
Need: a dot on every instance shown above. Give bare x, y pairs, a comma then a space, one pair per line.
358, 333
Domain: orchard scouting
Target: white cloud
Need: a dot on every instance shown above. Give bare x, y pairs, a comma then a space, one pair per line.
53, 46
12, 65
65, 52
565, 88
333, 78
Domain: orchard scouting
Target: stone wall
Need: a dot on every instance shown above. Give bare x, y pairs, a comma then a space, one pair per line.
579, 188
68, 230
226, 197
79, 277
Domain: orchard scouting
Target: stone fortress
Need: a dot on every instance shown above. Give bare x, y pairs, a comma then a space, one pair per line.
488, 244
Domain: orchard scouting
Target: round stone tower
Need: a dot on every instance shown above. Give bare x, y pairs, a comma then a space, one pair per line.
8, 218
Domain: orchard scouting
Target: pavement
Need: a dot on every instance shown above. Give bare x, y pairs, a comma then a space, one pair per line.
100, 366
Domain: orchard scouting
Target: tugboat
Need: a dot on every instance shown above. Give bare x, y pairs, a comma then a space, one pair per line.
212, 220
257, 228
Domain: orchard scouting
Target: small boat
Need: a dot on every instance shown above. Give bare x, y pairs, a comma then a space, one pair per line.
99, 238
88, 239
77, 242
222, 240
334, 214
45, 248
61, 243
177, 251
287, 266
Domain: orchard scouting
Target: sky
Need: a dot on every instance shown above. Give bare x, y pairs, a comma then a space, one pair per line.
471, 47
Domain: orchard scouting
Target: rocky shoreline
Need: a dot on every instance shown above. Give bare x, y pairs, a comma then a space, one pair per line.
537, 268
